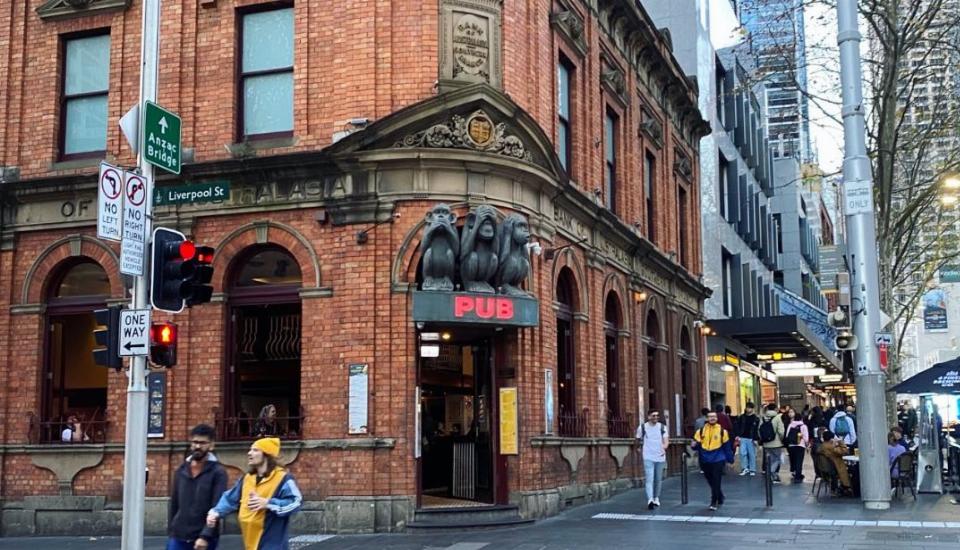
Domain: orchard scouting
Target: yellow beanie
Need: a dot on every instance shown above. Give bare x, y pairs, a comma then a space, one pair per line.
269, 446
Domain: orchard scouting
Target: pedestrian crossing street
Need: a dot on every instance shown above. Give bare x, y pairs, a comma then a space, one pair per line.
768, 521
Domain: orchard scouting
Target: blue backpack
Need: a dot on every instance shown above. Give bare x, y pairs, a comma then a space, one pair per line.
842, 427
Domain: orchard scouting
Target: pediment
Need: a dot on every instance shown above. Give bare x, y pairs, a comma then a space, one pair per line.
476, 118
53, 10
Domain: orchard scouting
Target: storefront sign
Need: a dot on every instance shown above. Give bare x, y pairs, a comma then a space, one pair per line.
509, 442
950, 274
357, 399
157, 404
475, 308
191, 194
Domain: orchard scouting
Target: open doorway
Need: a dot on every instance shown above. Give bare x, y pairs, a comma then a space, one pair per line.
457, 428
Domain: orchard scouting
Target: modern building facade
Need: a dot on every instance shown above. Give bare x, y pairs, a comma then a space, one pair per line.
354, 142
776, 30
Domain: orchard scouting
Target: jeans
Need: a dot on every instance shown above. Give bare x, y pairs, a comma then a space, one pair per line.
773, 460
178, 544
713, 471
748, 455
653, 477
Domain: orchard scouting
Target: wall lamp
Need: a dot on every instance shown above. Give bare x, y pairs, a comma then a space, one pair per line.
362, 237
550, 253
640, 296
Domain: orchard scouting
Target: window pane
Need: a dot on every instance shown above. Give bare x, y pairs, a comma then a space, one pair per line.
563, 92
88, 65
268, 40
86, 279
86, 125
270, 267
268, 104
608, 131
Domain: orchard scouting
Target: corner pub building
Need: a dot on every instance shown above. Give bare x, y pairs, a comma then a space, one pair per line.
456, 249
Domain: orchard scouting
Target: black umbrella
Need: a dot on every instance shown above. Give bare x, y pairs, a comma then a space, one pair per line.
940, 378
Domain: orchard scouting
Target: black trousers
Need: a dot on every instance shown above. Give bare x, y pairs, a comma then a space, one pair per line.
796, 460
713, 472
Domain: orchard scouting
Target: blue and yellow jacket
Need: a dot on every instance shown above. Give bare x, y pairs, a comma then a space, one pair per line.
711, 439
264, 529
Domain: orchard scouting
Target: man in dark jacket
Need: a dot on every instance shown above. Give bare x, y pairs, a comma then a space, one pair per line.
197, 486
745, 430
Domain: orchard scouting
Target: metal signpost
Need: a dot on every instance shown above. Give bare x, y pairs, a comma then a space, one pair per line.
862, 255
135, 448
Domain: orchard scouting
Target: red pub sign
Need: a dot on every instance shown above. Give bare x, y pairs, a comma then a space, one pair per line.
475, 308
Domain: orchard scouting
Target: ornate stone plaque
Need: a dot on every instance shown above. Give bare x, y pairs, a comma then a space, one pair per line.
480, 129
470, 36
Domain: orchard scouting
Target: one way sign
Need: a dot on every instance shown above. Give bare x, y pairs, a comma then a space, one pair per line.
134, 332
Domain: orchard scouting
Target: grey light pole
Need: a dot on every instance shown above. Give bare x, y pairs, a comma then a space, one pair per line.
862, 259
135, 447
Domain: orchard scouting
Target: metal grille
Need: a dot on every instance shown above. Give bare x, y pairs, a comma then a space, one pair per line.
464, 470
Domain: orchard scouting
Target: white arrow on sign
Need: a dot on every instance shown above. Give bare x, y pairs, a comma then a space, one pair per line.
163, 125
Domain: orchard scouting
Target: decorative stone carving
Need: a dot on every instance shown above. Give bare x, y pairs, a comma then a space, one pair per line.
650, 126
514, 258
569, 25
478, 250
682, 165
439, 248
470, 39
615, 79
476, 132
52, 10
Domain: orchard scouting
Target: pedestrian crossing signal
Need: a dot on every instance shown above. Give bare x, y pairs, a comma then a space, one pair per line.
163, 344
107, 338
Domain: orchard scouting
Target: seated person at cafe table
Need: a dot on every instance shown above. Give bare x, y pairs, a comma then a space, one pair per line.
834, 449
894, 450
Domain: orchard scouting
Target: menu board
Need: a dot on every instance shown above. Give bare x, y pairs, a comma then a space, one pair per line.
156, 403
508, 421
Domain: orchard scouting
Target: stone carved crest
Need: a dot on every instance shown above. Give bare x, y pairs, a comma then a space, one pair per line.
476, 132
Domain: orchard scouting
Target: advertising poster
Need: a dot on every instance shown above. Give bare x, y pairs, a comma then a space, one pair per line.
935, 310
156, 403
509, 441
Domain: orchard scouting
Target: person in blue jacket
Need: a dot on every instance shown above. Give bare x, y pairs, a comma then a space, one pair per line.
264, 499
713, 443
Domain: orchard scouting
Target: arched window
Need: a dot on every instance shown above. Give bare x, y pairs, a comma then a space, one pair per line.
72, 383
263, 346
653, 338
617, 424
572, 422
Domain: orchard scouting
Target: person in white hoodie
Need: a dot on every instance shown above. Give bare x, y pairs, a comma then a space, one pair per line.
843, 426
797, 440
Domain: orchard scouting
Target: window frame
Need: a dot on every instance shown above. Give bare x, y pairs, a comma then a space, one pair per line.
611, 117
649, 193
567, 65
64, 100
241, 76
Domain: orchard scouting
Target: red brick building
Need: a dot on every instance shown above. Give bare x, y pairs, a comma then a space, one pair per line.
337, 128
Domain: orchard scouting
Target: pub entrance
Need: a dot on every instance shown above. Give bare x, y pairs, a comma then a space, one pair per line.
457, 424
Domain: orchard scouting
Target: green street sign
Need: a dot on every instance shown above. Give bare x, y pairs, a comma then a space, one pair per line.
161, 138
950, 274
192, 194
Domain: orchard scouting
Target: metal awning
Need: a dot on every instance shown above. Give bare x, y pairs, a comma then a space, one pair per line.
783, 334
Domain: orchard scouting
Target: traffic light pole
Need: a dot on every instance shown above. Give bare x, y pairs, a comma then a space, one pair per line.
862, 259
135, 446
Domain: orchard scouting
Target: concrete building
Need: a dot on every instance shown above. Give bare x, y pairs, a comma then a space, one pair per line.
342, 136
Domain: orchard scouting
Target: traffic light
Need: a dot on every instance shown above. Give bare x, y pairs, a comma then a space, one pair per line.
163, 344
172, 269
107, 337
181, 271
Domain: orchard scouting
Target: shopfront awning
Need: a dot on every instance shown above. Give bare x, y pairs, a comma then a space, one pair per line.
783, 334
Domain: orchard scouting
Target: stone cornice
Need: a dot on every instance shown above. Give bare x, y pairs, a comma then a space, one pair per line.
54, 10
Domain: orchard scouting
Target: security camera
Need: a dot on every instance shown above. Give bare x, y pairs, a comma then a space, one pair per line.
535, 248
697, 324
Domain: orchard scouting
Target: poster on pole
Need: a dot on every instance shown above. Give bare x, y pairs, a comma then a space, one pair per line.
156, 404
935, 311
509, 440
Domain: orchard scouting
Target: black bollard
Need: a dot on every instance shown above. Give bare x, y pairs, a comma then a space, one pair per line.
683, 477
768, 486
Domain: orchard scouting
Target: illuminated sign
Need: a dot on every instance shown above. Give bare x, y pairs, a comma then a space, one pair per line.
775, 356
475, 308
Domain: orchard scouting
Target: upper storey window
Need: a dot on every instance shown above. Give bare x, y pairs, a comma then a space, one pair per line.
86, 83
564, 74
266, 74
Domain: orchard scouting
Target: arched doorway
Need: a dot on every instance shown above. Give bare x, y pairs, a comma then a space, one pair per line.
617, 424
72, 383
264, 346
687, 397
653, 337
572, 423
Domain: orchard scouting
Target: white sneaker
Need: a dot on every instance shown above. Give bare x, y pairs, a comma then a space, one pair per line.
656, 502
744, 472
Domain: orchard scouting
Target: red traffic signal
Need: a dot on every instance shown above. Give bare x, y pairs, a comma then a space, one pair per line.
163, 343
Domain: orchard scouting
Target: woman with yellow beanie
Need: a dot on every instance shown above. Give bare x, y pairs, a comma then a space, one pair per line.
264, 498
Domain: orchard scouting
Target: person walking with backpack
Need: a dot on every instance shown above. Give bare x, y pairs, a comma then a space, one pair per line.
654, 440
771, 433
797, 440
843, 426
714, 445
746, 433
